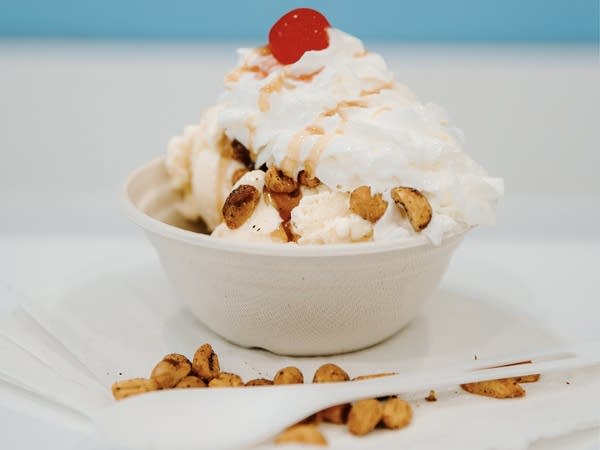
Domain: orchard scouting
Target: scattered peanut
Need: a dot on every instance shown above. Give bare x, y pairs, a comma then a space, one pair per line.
206, 363
277, 181
239, 205
306, 180
504, 388
369, 207
364, 416
126, 388
171, 370
289, 375
329, 373
335, 414
396, 413
191, 382
226, 379
415, 205
176, 371
302, 434
259, 382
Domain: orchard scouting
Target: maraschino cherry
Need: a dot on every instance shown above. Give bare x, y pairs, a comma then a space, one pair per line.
296, 32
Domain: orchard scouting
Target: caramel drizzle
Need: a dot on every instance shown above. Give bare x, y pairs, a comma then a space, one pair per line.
235, 75
310, 164
261, 72
292, 158
377, 90
284, 204
274, 86
283, 80
305, 77
342, 106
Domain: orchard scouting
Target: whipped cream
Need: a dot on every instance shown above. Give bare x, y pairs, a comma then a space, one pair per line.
339, 114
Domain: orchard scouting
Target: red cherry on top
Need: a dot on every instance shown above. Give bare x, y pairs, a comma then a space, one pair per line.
298, 31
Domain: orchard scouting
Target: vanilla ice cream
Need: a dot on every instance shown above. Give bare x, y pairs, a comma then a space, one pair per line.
338, 115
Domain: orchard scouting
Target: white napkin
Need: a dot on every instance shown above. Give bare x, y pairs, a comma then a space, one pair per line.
23, 370
118, 321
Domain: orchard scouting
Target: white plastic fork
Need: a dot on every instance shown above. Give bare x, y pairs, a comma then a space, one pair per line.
239, 417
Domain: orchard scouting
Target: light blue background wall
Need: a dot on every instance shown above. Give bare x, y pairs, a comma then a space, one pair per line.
414, 20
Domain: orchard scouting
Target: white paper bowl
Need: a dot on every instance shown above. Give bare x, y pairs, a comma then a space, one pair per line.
289, 299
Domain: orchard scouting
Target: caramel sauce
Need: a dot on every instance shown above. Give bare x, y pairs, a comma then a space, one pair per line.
265, 92
236, 74
292, 157
315, 129
306, 77
310, 164
340, 107
377, 90
284, 203
287, 228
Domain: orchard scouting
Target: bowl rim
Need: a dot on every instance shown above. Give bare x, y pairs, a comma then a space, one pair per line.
165, 230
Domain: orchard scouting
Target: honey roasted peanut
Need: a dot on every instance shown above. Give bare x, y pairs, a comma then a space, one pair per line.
171, 370
504, 388
302, 434
206, 363
239, 205
127, 388
191, 382
528, 378
277, 181
289, 375
414, 204
369, 207
337, 414
396, 413
306, 180
364, 416
259, 382
330, 373
226, 379
176, 371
